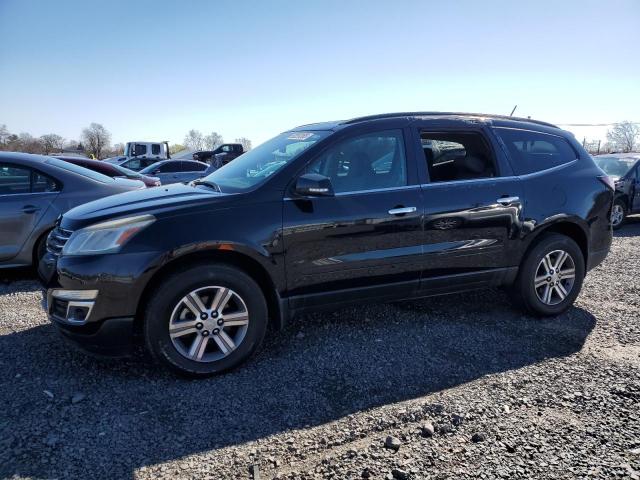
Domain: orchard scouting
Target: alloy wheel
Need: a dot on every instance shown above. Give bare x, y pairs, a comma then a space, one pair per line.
209, 323
617, 215
555, 277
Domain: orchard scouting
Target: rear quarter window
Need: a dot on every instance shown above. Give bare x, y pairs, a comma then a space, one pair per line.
532, 152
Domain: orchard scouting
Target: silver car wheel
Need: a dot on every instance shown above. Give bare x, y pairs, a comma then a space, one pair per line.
555, 277
209, 323
617, 215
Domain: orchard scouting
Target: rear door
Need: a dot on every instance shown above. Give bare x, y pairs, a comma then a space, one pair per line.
169, 172
191, 170
25, 195
635, 189
365, 240
472, 208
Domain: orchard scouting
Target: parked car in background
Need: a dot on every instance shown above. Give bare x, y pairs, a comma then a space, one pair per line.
624, 168
175, 171
111, 170
34, 191
145, 153
379, 208
225, 153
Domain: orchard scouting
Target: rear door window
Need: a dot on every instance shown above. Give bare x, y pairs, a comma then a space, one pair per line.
455, 156
43, 183
193, 167
535, 151
170, 167
14, 180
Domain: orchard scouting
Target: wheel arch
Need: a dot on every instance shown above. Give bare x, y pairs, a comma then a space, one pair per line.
565, 227
276, 307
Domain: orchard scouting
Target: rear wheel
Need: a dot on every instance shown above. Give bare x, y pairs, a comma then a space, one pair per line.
205, 320
618, 214
550, 277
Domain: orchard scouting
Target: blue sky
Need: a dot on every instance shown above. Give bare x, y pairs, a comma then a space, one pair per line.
152, 70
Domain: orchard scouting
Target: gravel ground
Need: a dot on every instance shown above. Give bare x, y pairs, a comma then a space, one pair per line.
452, 387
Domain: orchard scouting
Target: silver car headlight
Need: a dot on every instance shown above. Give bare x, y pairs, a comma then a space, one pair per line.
106, 237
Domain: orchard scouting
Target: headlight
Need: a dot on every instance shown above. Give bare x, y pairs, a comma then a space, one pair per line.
106, 237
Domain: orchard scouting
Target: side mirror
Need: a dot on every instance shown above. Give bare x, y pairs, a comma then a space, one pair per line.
314, 185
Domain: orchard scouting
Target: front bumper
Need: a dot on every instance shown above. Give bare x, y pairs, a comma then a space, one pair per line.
96, 298
109, 338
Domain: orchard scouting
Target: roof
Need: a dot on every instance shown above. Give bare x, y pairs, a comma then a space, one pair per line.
434, 115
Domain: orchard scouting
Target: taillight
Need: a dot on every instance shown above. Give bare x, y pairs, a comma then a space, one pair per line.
608, 181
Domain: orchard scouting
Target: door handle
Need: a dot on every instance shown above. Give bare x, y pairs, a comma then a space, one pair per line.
402, 210
507, 200
30, 209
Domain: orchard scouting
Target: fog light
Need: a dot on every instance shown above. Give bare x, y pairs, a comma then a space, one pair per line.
78, 313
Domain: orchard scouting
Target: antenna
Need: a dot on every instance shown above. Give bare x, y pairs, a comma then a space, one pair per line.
514, 109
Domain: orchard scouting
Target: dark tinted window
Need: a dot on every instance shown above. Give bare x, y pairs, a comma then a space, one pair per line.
170, 167
14, 180
453, 156
43, 183
155, 149
141, 149
534, 151
193, 167
365, 162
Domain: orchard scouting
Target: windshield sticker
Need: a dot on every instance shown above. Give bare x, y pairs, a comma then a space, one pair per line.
300, 136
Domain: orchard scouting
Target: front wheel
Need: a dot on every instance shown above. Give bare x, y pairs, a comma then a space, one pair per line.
205, 320
618, 214
550, 278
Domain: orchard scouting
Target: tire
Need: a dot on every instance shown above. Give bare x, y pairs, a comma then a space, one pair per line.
535, 300
618, 214
185, 353
38, 252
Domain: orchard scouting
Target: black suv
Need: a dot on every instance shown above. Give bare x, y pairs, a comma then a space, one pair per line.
377, 208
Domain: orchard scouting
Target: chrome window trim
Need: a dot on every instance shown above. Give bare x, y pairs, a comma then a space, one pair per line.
498, 179
358, 192
452, 183
28, 193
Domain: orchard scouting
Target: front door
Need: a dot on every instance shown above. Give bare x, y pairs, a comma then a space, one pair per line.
472, 211
25, 195
365, 240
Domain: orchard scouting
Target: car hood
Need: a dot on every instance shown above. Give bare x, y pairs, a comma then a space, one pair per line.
157, 201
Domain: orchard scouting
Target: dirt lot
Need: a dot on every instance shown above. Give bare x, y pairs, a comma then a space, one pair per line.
505, 396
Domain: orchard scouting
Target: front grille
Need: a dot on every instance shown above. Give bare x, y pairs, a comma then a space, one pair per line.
56, 240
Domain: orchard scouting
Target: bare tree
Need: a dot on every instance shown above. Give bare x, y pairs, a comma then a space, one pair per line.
51, 142
175, 148
96, 139
118, 149
194, 140
29, 144
245, 142
213, 140
623, 136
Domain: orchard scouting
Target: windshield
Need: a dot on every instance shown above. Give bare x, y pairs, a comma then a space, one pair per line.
615, 166
127, 150
253, 167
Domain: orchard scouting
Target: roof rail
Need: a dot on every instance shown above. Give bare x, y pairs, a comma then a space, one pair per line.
437, 114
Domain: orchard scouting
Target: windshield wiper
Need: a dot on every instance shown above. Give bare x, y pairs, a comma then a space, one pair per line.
207, 183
